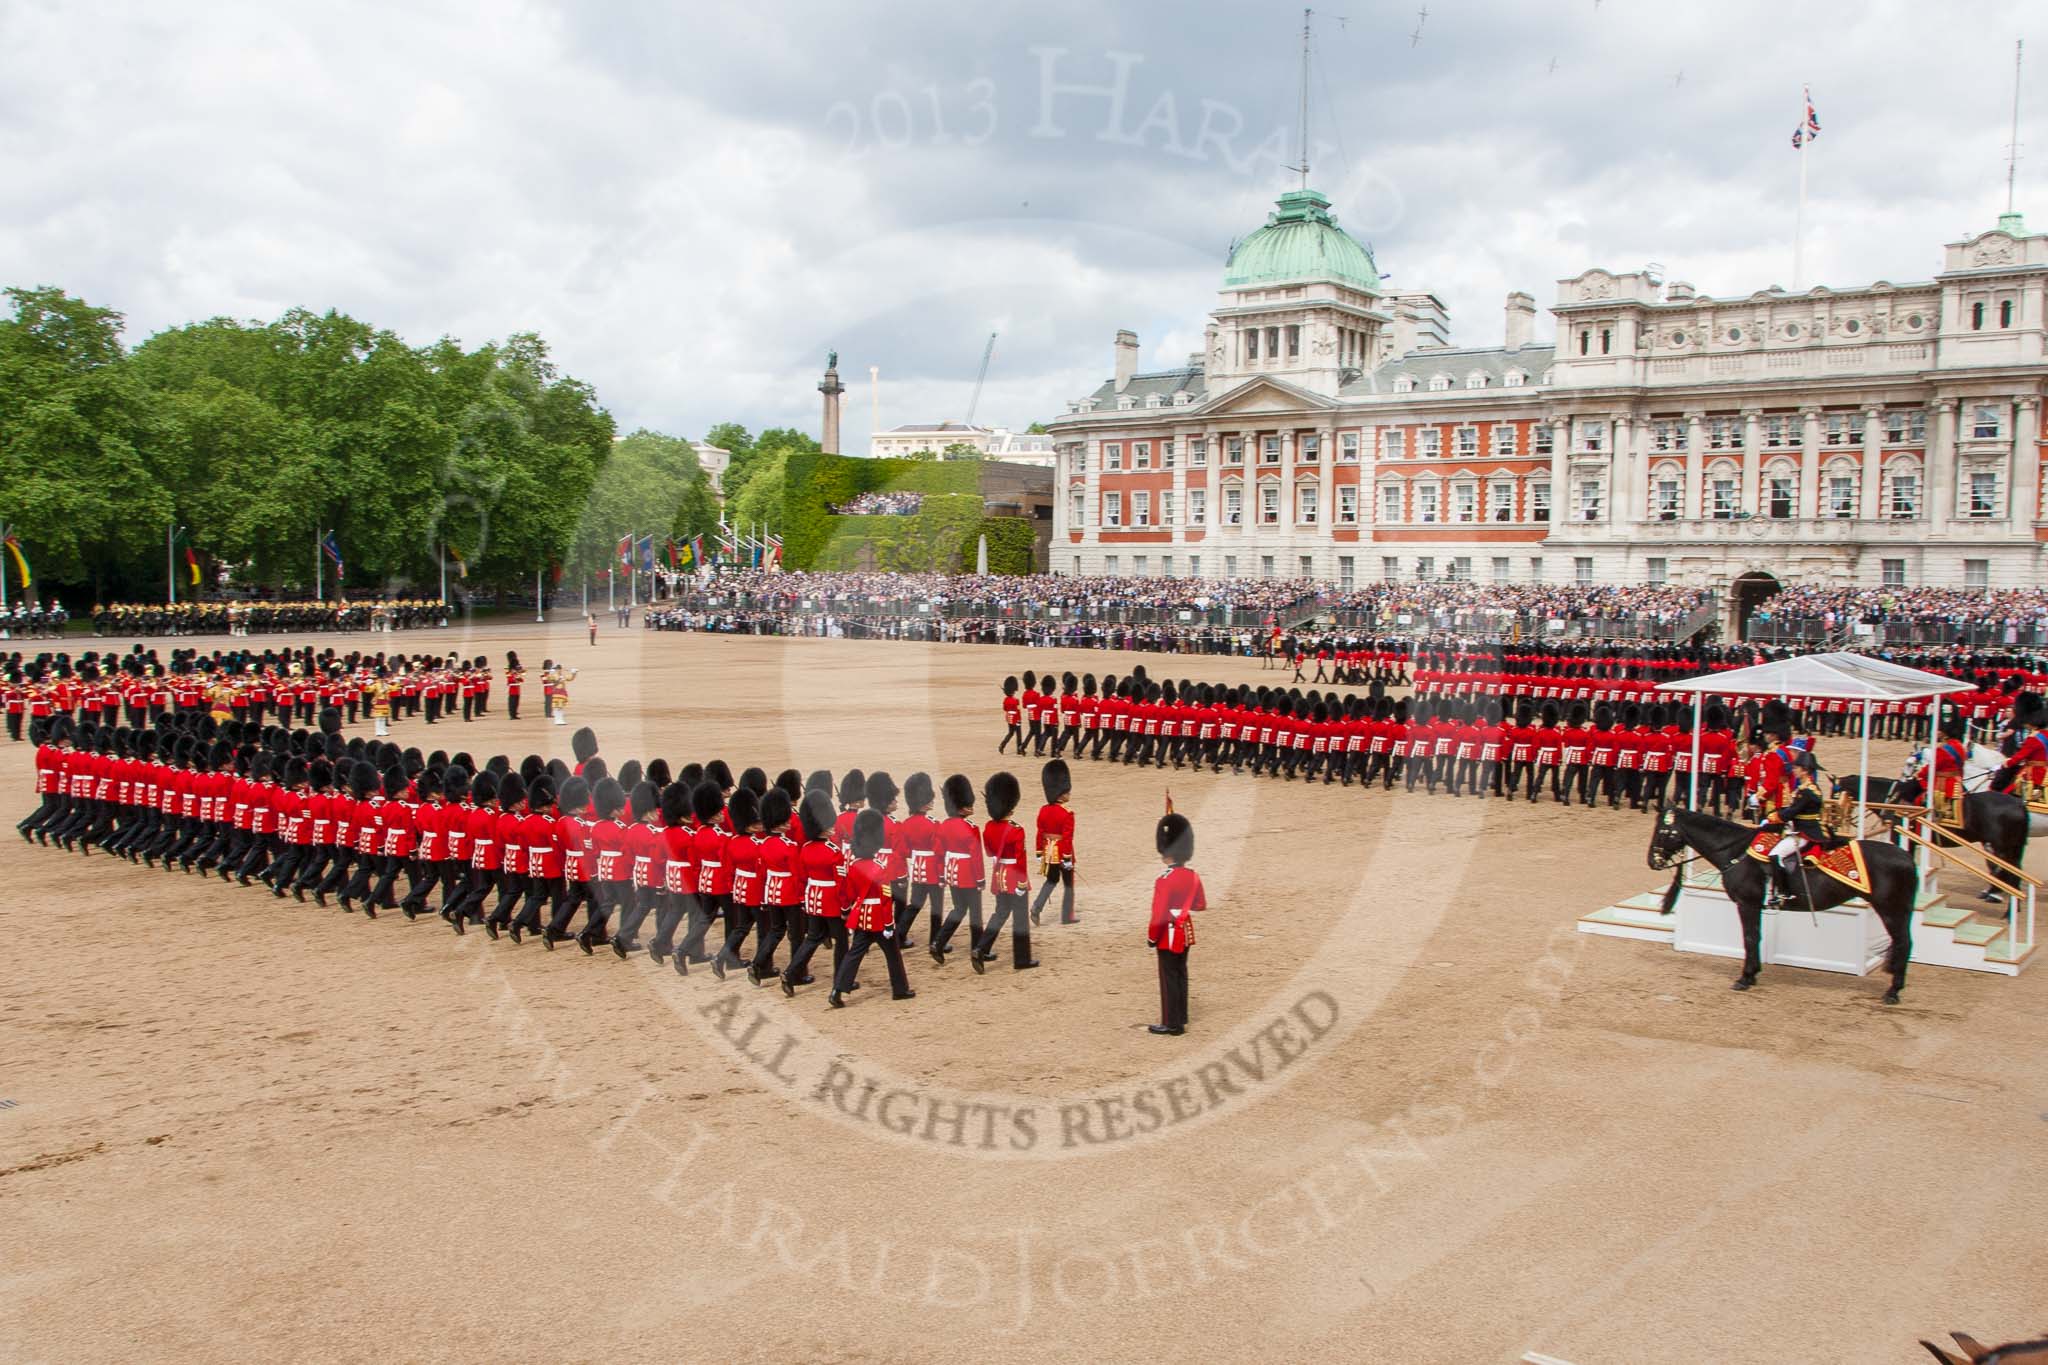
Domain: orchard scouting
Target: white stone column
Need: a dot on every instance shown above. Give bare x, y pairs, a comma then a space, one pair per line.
1941, 467
1623, 461
2023, 498
1752, 461
1560, 474
1695, 440
1326, 501
1809, 464
1868, 506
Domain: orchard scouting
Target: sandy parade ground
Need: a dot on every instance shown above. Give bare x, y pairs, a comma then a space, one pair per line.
1417, 1116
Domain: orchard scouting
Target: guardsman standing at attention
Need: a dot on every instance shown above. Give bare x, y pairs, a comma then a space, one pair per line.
1176, 897
1056, 841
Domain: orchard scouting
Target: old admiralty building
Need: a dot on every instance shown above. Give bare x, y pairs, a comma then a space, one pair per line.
1329, 428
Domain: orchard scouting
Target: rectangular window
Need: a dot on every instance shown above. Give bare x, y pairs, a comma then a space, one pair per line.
1198, 452
1501, 571
1390, 502
1895, 428
1465, 502
1079, 513
1432, 443
1347, 505
1269, 504
1347, 447
1426, 503
1721, 434
1582, 570
1272, 343
1589, 500
1251, 343
1539, 502
1667, 495
1138, 565
1393, 444
1983, 494
1425, 567
1895, 573
1166, 566
1781, 497
1592, 435
1916, 430
1504, 442
1305, 504
1141, 508
1233, 450
1141, 455
1347, 571
1112, 509
1166, 454
1657, 570
1269, 450
1500, 500
1309, 449
1722, 496
1194, 566
1461, 569
1985, 423
1905, 502
1293, 342
1081, 458
1468, 442
1390, 568
1841, 496
1976, 573
1308, 566
1265, 566
1541, 439
1535, 568
1167, 507
1198, 506
1109, 565
1663, 436
1230, 566
1233, 506
1113, 455
1775, 429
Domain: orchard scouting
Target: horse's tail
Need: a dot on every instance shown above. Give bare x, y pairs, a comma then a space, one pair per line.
1671, 891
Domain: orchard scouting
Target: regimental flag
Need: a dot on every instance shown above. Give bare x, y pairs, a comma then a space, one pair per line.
192, 563
647, 553
693, 553
455, 558
626, 551
20, 561
1809, 128
775, 551
333, 551
669, 548
684, 555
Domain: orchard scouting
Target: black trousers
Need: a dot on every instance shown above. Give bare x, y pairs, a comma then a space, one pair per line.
966, 906
821, 928
576, 895
772, 923
1062, 876
1009, 907
922, 894
1173, 988
637, 903
848, 970
669, 914
739, 922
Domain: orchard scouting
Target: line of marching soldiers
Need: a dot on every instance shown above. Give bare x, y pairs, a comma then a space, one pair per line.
694, 858
1470, 746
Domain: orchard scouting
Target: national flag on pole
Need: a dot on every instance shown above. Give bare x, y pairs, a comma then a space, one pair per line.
192, 563
647, 554
20, 563
333, 551
775, 551
694, 553
1809, 128
455, 558
626, 551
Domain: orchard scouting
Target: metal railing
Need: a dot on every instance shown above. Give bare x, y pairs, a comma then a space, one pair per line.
2016, 883
1092, 614
1494, 623
1815, 630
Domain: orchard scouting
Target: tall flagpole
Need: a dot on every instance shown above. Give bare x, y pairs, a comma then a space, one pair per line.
2012, 158
319, 568
1799, 222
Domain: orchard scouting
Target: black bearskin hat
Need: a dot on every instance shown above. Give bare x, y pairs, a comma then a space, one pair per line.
530, 767
484, 787
790, 783
1175, 838
815, 814
706, 801
644, 798
820, 780
511, 790
455, 783
917, 791
540, 794
775, 808
717, 771
575, 796
629, 774
675, 804
1056, 780
743, 809
868, 833
583, 744
427, 784
596, 770
1010, 687
958, 793
361, 778
999, 795
606, 798
881, 789
657, 772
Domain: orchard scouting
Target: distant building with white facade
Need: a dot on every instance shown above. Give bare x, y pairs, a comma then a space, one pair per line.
995, 443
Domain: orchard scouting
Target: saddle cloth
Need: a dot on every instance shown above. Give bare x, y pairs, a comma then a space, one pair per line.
1844, 863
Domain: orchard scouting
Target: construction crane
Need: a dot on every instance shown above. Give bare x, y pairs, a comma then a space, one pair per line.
975, 402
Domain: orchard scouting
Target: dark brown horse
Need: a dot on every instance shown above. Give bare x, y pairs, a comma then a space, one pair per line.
1894, 884
1976, 1353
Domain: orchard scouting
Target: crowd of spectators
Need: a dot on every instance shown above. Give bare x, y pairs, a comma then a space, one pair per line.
1652, 604
899, 504
1005, 595
2023, 610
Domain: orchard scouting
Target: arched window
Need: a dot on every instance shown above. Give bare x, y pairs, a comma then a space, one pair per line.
1839, 490
1899, 497
1781, 489
2005, 313
1585, 341
1977, 316
1667, 491
1606, 340
1723, 490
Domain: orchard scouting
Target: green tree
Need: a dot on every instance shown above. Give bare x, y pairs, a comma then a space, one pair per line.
960, 450
1035, 429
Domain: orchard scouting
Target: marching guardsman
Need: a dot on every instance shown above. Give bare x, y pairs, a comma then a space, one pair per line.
1176, 897
918, 835
781, 909
1055, 833
871, 910
1013, 717
1011, 879
744, 863
1029, 700
960, 857
515, 679
647, 857
818, 860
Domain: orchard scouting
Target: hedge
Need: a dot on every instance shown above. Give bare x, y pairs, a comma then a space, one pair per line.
941, 536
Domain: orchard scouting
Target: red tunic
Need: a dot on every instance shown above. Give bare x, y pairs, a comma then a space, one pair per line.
1176, 896
960, 853
1004, 843
1056, 822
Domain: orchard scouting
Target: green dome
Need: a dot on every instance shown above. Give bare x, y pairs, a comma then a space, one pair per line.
1301, 241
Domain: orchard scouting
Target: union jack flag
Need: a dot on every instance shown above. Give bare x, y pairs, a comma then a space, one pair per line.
1808, 130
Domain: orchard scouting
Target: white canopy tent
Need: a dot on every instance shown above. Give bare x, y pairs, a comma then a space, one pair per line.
1839, 676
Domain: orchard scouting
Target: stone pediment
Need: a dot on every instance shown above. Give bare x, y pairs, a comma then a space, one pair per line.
1263, 395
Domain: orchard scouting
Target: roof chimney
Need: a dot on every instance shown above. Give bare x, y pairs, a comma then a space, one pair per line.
1520, 328
1126, 358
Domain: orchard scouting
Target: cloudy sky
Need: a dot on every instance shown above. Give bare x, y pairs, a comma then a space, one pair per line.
692, 202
